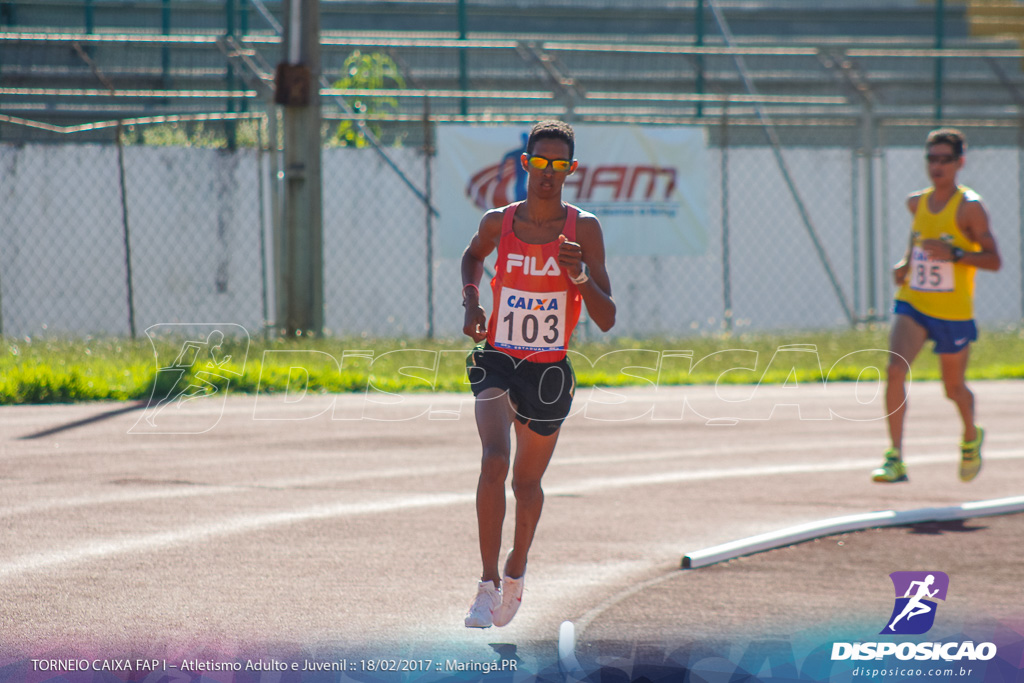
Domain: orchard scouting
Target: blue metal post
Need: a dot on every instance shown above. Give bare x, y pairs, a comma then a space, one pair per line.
243, 29
699, 30
940, 15
165, 51
7, 16
229, 126
463, 75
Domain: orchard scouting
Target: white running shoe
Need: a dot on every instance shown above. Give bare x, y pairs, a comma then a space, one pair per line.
487, 599
511, 598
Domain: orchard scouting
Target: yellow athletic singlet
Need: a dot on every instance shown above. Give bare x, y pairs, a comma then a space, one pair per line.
937, 288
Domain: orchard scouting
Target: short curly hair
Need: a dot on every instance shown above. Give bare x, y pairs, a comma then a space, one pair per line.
558, 130
948, 136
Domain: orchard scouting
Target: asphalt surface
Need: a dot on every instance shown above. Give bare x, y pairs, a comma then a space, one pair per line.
783, 606
337, 529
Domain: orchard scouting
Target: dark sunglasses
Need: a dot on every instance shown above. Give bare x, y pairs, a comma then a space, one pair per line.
559, 165
941, 158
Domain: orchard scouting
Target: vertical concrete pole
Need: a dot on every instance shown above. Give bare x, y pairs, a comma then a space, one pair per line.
300, 299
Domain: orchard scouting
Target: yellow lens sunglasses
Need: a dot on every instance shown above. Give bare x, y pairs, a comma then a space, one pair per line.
558, 165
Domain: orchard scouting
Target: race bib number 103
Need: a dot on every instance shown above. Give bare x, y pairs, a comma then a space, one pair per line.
531, 321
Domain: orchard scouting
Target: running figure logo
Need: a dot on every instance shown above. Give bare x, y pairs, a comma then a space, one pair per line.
201, 370
502, 183
916, 593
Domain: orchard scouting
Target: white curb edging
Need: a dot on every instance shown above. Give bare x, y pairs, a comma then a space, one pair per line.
838, 525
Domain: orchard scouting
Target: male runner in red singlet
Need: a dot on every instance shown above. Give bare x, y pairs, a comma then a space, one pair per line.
520, 375
950, 239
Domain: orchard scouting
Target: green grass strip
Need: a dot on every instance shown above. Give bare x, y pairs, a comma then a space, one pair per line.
52, 370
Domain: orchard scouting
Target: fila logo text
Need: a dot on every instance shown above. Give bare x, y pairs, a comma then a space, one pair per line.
529, 265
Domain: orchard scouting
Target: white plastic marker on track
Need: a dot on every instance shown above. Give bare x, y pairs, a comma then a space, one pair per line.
838, 525
569, 664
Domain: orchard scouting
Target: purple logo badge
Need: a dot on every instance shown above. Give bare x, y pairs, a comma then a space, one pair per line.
916, 595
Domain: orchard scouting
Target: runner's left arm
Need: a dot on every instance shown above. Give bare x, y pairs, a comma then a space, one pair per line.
972, 219
975, 226
589, 250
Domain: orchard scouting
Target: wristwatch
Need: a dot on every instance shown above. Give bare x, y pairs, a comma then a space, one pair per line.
958, 254
583, 277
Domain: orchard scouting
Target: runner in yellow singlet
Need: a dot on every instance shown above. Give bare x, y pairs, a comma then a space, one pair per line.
950, 239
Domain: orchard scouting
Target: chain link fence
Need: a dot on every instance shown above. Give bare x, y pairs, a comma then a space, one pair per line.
109, 239
132, 220
101, 239
375, 245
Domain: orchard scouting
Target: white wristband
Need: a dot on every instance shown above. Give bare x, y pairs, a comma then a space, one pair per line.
581, 279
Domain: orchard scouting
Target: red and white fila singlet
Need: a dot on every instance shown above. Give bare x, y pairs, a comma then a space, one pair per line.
536, 306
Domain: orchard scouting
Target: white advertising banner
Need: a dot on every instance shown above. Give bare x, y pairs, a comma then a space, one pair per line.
645, 184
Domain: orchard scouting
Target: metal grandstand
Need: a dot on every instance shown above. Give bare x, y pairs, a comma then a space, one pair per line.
84, 68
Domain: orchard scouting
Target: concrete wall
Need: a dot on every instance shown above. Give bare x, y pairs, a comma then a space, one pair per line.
196, 218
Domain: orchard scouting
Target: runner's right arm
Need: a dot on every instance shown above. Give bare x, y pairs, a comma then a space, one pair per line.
899, 271
483, 243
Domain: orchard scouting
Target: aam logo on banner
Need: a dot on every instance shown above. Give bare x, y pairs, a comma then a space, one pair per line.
646, 181
595, 185
916, 594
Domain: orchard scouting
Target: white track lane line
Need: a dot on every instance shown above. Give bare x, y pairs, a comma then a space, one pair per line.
200, 490
100, 549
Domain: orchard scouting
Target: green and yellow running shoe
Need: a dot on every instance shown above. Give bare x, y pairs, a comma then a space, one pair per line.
892, 470
970, 456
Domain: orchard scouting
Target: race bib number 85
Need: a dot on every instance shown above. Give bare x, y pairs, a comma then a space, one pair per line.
531, 321
927, 275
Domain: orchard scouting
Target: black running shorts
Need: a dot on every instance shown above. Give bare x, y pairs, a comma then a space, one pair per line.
541, 393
